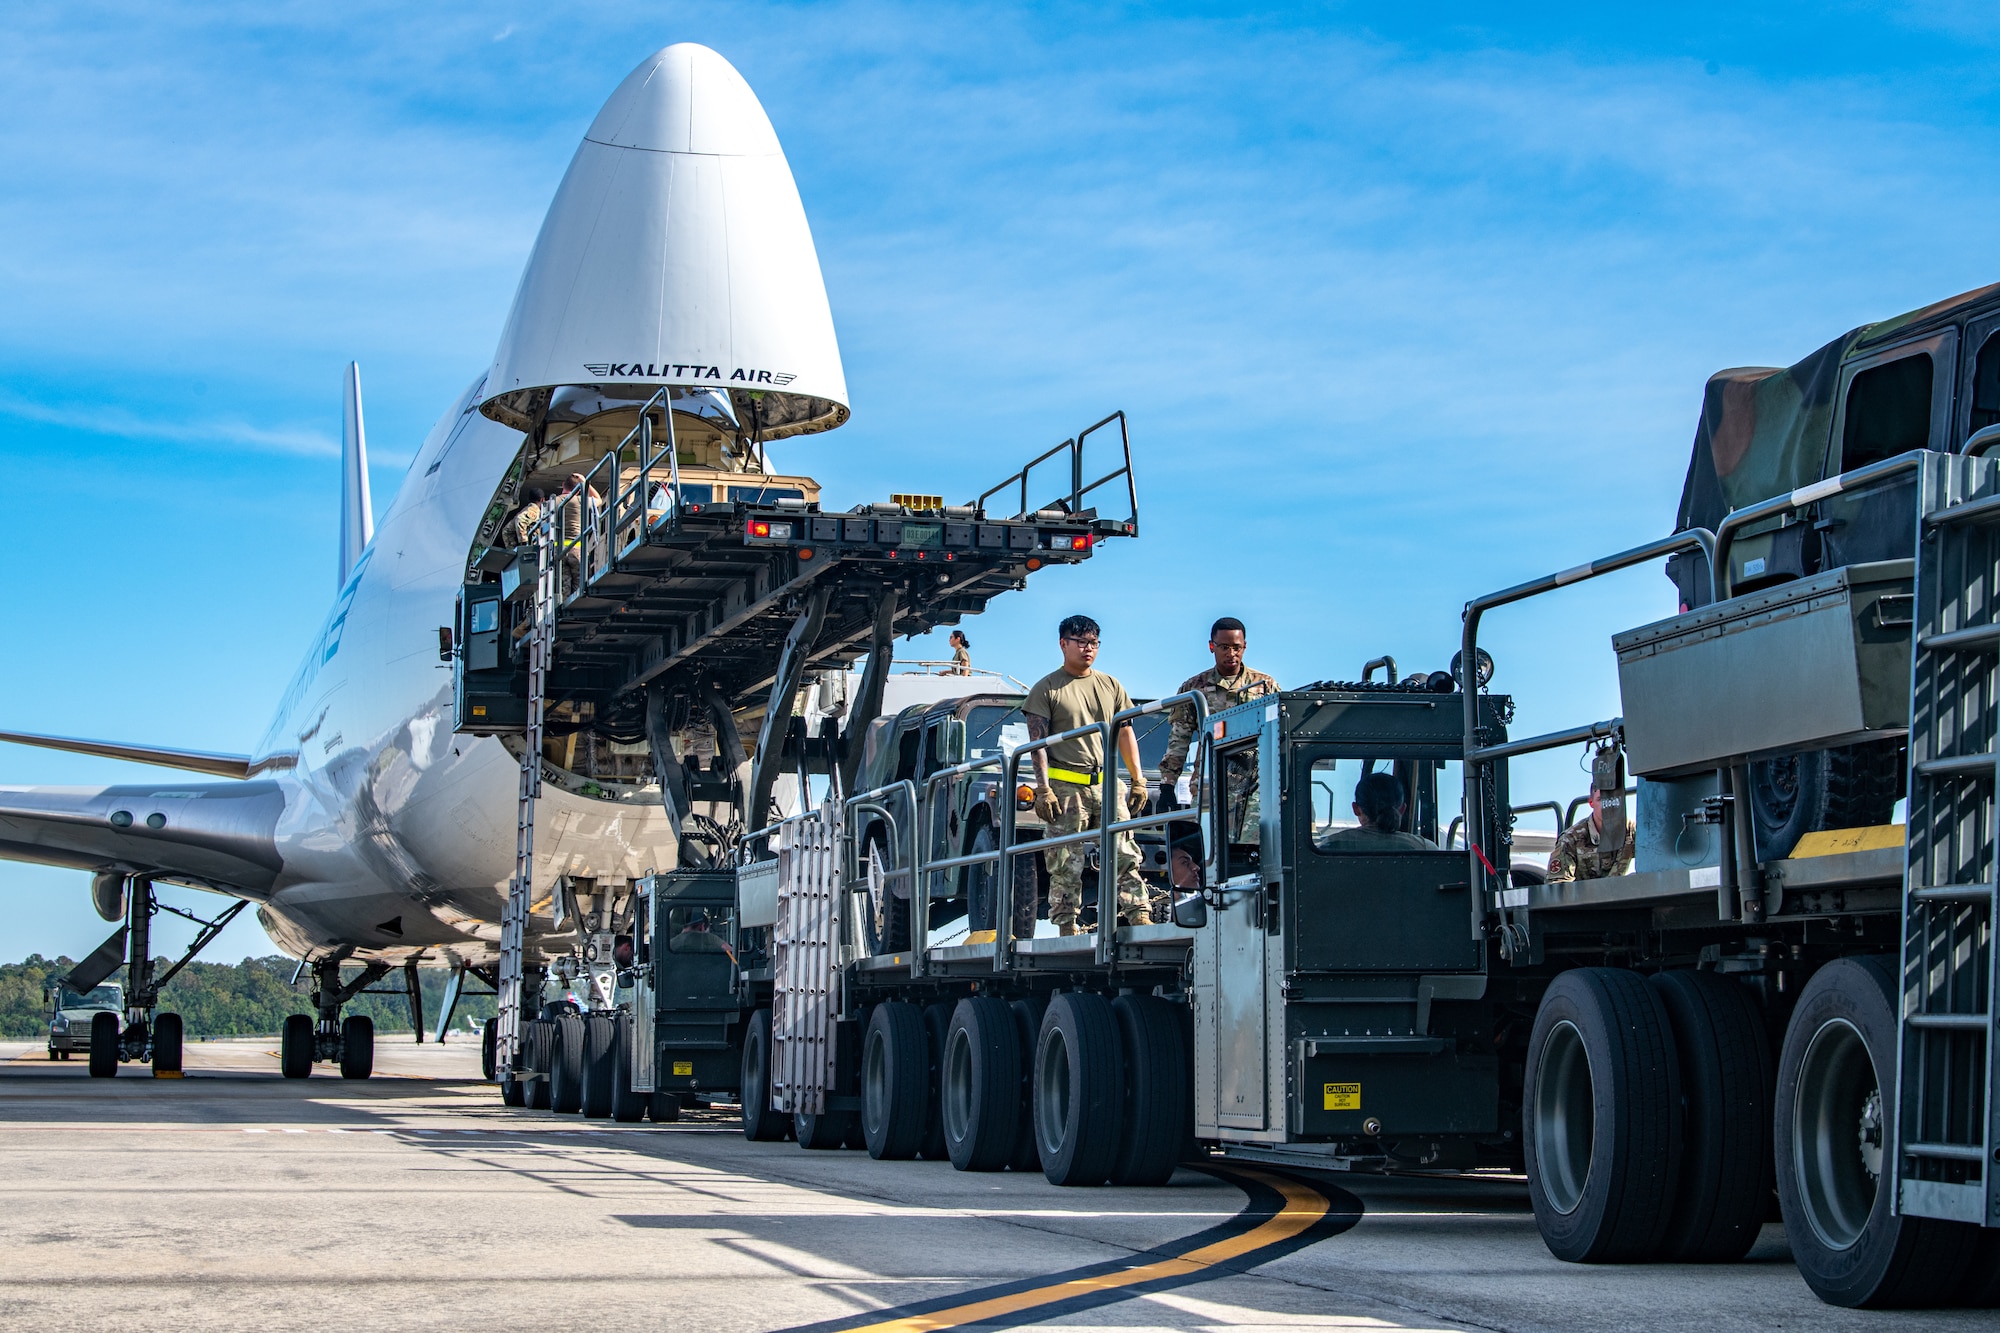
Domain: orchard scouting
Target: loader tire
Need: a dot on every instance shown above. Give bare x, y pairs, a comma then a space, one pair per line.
981, 1085
895, 1081
1078, 1078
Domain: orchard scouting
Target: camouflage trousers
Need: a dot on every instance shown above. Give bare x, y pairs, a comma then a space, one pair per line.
1077, 809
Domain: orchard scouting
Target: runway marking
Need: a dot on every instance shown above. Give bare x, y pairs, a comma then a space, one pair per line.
1282, 1216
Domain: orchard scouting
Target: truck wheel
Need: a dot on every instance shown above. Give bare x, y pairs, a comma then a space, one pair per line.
821, 1130
357, 1046
1602, 1117
1849, 786
103, 1044
295, 1047
1725, 1064
627, 1107
566, 1066
539, 1043
981, 1085
937, 1020
1156, 1090
895, 1081
1028, 1015
1836, 1112
489, 1037
760, 1122
167, 1044
663, 1107
600, 1054
1079, 1090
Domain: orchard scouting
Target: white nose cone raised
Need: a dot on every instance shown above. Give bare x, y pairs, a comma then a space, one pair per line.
676, 252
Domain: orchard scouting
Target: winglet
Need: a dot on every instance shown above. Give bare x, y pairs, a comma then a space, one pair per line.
357, 517
195, 761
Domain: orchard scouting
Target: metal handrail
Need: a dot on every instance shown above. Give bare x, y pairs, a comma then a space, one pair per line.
1476, 759
1077, 489
626, 502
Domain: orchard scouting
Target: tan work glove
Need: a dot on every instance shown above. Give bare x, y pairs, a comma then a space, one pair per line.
1136, 797
1045, 804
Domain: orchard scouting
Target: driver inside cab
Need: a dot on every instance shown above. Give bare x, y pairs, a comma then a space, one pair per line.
1379, 800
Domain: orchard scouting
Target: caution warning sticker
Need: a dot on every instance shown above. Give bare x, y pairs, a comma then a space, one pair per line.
1343, 1097
687, 1067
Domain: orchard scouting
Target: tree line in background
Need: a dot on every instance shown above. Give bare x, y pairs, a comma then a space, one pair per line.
250, 998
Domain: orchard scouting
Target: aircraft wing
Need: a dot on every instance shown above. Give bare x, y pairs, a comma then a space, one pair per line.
218, 835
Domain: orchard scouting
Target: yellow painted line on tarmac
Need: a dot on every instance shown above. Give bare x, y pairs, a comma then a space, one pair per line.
1303, 1207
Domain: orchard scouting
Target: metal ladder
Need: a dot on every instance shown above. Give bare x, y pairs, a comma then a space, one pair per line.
1946, 1133
520, 889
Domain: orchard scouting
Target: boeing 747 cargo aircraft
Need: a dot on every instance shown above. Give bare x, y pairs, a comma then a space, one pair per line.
675, 256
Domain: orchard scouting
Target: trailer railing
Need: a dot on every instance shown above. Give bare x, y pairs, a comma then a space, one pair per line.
1075, 498
1480, 757
620, 506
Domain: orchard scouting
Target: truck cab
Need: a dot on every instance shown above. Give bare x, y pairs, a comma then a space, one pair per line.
1336, 980
71, 1012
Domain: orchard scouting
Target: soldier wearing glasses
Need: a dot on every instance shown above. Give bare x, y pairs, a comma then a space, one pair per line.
1068, 773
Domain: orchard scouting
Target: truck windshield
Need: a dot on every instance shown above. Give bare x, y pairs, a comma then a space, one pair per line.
1382, 805
97, 997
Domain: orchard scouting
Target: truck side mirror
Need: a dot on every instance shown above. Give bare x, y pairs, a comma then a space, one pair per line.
1191, 912
444, 643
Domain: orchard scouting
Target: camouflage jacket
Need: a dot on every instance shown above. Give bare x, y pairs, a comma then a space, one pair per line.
1221, 692
1577, 855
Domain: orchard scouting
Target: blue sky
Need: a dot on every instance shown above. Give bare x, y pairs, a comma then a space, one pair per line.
1405, 303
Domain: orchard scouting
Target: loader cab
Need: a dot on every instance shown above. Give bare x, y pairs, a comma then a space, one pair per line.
691, 954
1340, 937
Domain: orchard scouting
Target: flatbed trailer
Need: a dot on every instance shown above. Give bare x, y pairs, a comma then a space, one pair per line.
1655, 1050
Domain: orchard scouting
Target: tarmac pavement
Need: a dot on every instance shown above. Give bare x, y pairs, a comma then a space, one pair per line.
235, 1199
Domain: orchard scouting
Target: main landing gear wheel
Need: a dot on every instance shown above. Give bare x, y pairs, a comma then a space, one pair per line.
627, 1106
981, 1085
599, 1067
1079, 1090
760, 1122
103, 1044
566, 1066
895, 1081
1603, 1117
1725, 1061
357, 1046
1836, 1111
167, 1032
1156, 1090
295, 1047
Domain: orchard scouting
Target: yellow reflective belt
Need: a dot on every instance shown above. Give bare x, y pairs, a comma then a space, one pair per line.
1068, 775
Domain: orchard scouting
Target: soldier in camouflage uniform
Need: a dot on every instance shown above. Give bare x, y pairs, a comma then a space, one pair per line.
1577, 855
1224, 685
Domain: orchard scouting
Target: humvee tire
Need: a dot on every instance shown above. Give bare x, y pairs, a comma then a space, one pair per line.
1833, 1101
1849, 786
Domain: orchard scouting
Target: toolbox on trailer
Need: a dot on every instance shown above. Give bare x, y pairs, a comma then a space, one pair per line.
1819, 661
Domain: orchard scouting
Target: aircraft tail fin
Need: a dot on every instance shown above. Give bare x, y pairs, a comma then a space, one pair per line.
357, 517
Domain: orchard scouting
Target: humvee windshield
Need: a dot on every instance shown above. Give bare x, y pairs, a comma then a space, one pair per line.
97, 997
991, 728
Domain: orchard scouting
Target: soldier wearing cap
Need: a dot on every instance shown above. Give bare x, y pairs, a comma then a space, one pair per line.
1069, 774
1223, 685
